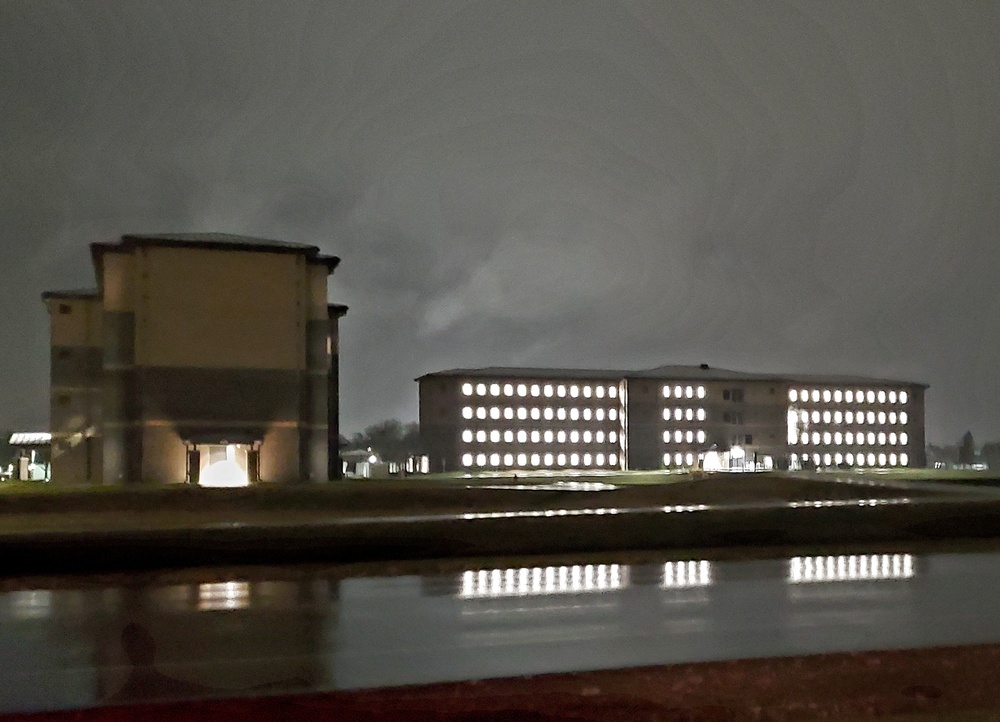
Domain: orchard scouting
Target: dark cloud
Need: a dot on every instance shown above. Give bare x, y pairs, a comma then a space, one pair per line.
803, 186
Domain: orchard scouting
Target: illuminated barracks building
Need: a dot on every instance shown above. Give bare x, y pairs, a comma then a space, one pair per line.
673, 417
203, 358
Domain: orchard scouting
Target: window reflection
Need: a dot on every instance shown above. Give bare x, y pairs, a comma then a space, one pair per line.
535, 581
850, 568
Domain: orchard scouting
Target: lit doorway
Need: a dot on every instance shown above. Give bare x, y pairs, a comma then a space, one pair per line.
223, 465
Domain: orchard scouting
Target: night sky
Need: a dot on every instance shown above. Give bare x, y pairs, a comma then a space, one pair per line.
772, 186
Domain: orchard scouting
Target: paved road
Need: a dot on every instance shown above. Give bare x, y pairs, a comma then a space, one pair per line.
78, 642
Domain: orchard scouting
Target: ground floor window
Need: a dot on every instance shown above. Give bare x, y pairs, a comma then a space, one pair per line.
223, 465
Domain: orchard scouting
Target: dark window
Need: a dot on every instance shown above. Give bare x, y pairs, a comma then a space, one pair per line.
65, 308
725, 397
62, 399
737, 394
726, 417
749, 438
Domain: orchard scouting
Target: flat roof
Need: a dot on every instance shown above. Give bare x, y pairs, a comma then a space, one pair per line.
30, 438
702, 372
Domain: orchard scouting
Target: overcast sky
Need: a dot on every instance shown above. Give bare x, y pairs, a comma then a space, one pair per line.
771, 186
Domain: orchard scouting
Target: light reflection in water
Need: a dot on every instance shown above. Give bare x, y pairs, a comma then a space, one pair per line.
576, 579
31, 604
216, 596
681, 575
850, 568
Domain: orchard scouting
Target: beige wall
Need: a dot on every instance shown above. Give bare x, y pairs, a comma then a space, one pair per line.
220, 309
80, 327
163, 455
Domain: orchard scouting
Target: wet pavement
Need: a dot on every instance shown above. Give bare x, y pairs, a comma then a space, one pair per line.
72, 642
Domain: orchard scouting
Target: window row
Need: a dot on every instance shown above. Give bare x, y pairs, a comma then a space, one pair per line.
523, 436
678, 459
680, 437
548, 390
679, 414
847, 417
848, 396
683, 392
849, 438
871, 459
545, 461
536, 413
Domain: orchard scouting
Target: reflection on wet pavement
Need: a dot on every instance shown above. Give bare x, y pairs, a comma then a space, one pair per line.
78, 642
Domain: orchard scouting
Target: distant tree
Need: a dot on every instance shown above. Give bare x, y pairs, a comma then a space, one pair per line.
990, 453
945, 455
967, 451
393, 440
6, 450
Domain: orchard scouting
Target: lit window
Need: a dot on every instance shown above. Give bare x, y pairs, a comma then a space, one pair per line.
467, 412
804, 396
467, 390
587, 391
494, 459
679, 459
793, 395
536, 413
535, 390
599, 392
838, 438
678, 436
495, 436
508, 436
494, 389
892, 417
871, 459
574, 391
481, 436
587, 414
678, 413
827, 417
549, 413
508, 413
904, 439
536, 436
881, 417
701, 436
599, 459
678, 392
587, 437
689, 414
561, 413
522, 413
805, 438
574, 459
549, 436
859, 396
902, 400
892, 438
612, 437
561, 436
871, 438
467, 437
599, 414
892, 400
481, 460
870, 396
827, 437
838, 458
849, 459
480, 389
816, 459
587, 459
849, 417
522, 436
666, 414
827, 459
904, 460
612, 460
548, 459
838, 417
666, 459
815, 396
838, 396
816, 437
508, 389
689, 392
815, 417
561, 460
871, 417
892, 459
881, 438
689, 437
522, 390
689, 459
508, 459
466, 459
599, 437
574, 414
666, 392
849, 396
859, 439
612, 414
849, 438
881, 459
612, 392
535, 460
701, 392
794, 459
574, 437
827, 396
804, 415
902, 417
701, 414
522, 459
881, 400
560, 391
495, 412
547, 390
